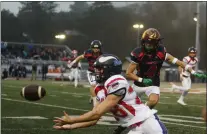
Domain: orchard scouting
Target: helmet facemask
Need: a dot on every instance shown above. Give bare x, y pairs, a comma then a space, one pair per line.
150, 46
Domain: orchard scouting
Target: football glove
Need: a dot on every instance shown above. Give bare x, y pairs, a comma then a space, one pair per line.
147, 82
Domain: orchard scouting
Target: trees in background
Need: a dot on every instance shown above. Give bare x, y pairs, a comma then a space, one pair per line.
39, 22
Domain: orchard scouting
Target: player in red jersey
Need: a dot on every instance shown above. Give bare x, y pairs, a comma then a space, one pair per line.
74, 69
91, 55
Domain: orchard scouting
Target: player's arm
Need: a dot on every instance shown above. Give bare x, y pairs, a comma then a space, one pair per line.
110, 101
130, 71
132, 66
183, 65
79, 58
76, 60
76, 125
131, 75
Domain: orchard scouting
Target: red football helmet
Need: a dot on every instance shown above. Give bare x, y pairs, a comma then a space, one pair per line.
150, 39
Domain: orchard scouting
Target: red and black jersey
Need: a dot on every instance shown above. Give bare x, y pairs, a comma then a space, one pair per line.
149, 65
89, 55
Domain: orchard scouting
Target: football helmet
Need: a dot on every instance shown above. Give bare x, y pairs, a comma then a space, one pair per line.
96, 44
150, 39
106, 66
192, 52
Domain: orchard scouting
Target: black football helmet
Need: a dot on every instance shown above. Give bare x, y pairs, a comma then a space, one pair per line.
96, 44
192, 50
106, 66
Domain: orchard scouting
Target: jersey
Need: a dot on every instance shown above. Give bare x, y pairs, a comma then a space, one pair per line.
91, 58
191, 62
149, 65
75, 65
130, 109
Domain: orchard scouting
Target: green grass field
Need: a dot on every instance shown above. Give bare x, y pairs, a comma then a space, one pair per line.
178, 119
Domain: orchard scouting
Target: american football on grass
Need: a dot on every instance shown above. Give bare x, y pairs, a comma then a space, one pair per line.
33, 92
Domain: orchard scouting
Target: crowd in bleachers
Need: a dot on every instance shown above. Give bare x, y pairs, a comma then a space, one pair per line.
30, 51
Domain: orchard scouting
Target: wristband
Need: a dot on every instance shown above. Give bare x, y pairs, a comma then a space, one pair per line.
192, 72
174, 60
140, 79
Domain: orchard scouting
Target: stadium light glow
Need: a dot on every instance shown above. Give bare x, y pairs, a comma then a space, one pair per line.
137, 26
60, 36
195, 19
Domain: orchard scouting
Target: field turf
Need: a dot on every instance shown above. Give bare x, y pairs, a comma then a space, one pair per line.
20, 116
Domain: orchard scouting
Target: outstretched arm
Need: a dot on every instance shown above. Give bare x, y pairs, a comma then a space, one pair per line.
76, 60
183, 65
95, 114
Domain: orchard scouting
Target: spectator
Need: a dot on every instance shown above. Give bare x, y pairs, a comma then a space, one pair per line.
44, 71
34, 71
4, 74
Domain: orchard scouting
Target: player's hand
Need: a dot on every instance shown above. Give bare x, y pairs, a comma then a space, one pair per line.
147, 82
63, 120
62, 127
199, 75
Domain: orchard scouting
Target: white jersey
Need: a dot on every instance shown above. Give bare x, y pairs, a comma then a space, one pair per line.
130, 109
191, 62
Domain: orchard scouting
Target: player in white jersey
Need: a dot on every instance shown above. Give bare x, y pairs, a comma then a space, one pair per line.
114, 94
191, 60
75, 69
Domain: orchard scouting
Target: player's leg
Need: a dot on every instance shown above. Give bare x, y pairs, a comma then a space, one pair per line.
76, 77
135, 130
187, 84
153, 125
92, 81
153, 93
139, 90
181, 88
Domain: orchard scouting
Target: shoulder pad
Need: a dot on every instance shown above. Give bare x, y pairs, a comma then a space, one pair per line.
186, 59
99, 88
161, 52
116, 83
136, 54
100, 92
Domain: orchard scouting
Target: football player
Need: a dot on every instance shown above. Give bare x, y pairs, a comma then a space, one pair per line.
190, 60
115, 94
91, 55
148, 60
75, 69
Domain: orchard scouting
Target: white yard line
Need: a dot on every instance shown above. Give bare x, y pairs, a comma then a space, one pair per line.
183, 125
25, 117
55, 106
41, 104
81, 94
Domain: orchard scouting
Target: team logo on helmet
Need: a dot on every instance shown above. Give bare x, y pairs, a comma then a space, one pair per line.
151, 34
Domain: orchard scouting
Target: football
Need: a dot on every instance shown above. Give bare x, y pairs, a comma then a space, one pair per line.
33, 92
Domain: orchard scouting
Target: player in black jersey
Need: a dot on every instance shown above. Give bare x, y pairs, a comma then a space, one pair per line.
148, 60
91, 55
